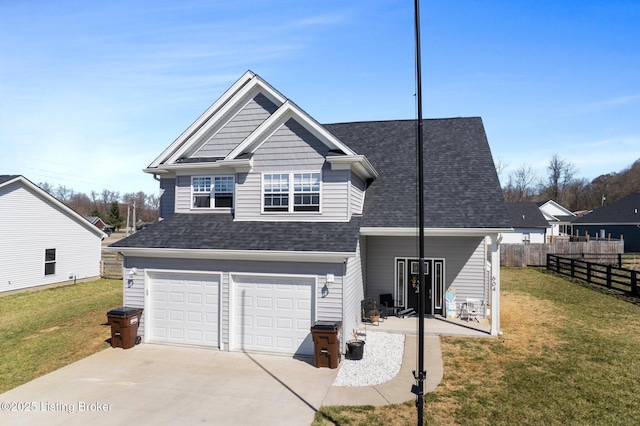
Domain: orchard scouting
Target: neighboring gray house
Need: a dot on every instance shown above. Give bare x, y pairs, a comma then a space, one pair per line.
42, 240
529, 224
272, 221
620, 219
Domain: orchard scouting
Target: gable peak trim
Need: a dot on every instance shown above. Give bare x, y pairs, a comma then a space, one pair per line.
247, 84
288, 110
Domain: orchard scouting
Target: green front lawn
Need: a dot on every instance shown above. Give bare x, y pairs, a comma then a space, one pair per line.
41, 331
569, 356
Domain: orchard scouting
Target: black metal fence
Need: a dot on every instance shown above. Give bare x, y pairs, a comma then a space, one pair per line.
604, 274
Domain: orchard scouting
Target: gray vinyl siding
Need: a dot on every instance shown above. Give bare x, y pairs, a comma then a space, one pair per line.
237, 128
290, 148
183, 191
133, 294
357, 194
167, 197
30, 224
334, 198
328, 303
183, 194
353, 295
464, 263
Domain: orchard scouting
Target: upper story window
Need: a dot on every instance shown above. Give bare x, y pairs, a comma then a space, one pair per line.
223, 191
216, 188
276, 192
50, 261
302, 196
306, 192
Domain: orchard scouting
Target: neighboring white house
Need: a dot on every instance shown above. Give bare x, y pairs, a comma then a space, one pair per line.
558, 217
42, 240
529, 224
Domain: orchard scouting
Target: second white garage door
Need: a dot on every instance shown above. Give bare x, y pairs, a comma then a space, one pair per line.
273, 314
184, 308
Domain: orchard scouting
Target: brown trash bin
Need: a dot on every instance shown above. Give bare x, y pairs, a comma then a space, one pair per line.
326, 344
124, 324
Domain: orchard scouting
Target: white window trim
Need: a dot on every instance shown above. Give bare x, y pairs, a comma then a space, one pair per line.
212, 198
50, 262
290, 209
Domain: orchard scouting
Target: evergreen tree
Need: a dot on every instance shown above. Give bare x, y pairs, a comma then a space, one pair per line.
114, 216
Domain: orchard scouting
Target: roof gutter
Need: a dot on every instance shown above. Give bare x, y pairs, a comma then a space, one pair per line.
265, 255
432, 232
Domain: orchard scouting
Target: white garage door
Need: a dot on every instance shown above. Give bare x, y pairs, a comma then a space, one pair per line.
273, 314
184, 308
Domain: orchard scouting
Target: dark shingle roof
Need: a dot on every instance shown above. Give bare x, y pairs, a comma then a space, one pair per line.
526, 215
7, 178
624, 211
461, 184
219, 232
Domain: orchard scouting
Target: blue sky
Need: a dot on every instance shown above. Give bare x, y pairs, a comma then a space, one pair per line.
92, 91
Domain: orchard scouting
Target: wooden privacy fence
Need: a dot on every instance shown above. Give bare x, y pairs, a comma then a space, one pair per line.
605, 275
521, 255
110, 265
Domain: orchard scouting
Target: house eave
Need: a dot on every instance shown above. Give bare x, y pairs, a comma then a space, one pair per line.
359, 163
253, 255
432, 232
241, 165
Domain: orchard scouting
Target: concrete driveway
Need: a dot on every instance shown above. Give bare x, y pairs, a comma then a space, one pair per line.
157, 384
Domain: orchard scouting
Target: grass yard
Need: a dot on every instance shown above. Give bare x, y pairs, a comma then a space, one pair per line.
41, 331
569, 356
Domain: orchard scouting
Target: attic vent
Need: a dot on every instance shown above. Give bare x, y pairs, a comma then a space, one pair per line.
636, 211
522, 216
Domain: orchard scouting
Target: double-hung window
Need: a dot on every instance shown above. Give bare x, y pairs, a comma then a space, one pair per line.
201, 192
223, 191
50, 261
216, 188
306, 192
279, 195
276, 192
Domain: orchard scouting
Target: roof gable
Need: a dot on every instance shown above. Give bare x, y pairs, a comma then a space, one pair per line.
239, 123
554, 209
240, 94
5, 181
288, 111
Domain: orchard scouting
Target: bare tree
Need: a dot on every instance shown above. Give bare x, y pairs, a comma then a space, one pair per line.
46, 187
561, 173
521, 184
63, 193
501, 165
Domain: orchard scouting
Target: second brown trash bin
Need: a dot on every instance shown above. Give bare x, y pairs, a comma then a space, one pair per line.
124, 324
326, 345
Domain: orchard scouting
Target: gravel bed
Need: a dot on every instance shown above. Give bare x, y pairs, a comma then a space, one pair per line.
381, 361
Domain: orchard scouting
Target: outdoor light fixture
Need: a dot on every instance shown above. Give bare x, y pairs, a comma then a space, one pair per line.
132, 272
330, 279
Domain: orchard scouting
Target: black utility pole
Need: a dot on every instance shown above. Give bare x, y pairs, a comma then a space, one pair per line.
420, 373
